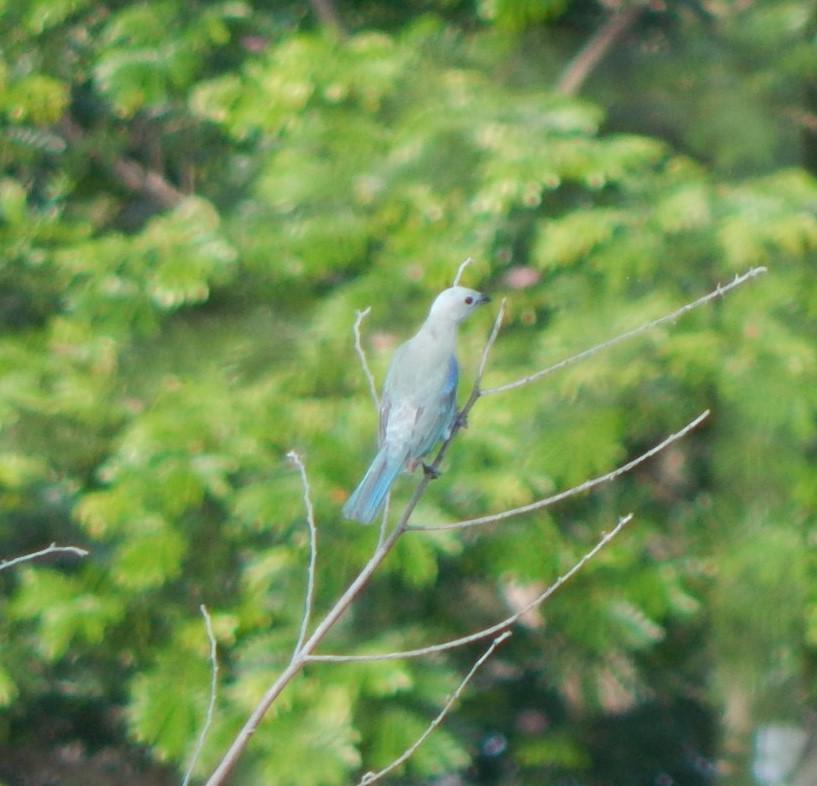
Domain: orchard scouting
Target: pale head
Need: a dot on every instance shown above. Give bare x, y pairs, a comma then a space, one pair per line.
455, 304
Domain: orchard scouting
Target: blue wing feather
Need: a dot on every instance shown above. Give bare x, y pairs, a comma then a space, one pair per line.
365, 500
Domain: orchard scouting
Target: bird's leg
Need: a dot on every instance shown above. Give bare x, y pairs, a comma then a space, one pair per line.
460, 420
429, 471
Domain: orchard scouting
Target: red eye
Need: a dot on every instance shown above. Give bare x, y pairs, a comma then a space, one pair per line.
469, 300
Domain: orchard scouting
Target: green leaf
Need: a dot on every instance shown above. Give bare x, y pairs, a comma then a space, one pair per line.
169, 701
149, 558
398, 729
66, 610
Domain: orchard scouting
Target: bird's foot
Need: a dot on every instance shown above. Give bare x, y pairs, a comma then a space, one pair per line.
460, 419
429, 471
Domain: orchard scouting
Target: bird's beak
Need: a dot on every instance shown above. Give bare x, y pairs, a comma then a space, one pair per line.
483, 299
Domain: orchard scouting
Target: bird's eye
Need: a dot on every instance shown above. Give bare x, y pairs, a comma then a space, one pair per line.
469, 300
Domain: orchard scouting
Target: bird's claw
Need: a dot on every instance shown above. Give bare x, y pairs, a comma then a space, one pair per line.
430, 472
460, 420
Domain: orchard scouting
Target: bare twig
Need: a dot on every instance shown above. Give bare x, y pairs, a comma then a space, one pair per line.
211, 704
52, 549
461, 270
493, 629
296, 664
591, 54
384, 519
715, 293
361, 354
313, 549
571, 492
492, 336
371, 777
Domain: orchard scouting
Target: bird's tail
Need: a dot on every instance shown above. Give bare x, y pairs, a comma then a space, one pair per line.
367, 498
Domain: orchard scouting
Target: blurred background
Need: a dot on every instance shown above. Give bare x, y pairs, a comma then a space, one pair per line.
195, 199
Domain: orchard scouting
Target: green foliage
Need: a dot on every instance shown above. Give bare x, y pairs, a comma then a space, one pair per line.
168, 703
139, 66
520, 14
195, 200
66, 610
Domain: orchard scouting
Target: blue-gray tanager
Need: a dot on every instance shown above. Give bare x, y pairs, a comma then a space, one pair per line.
418, 404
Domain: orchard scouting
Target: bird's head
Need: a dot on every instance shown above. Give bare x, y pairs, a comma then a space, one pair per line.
456, 303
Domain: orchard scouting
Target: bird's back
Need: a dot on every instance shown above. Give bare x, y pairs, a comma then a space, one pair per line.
418, 395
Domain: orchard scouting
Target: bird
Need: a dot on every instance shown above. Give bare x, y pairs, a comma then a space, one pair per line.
418, 402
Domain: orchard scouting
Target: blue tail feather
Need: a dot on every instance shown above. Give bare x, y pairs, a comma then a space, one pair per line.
367, 498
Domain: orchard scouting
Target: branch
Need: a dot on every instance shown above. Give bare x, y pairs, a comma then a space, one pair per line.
129, 173
302, 656
461, 270
371, 777
591, 54
493, 629
211, 704
313, 548
148, 182
715, 293
52, 549
359, 317
571, 492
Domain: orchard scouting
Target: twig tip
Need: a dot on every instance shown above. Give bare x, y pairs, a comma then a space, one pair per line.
461, 269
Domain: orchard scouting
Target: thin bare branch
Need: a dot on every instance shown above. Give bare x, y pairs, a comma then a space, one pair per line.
211, 704
571, 492
461, 270
493, 629
372, 777
715, 293
592, 53
483, 360
361, 354
52, 549
313, 550
384, 520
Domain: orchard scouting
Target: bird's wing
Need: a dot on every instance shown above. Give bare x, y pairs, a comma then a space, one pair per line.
433, 419
418, 400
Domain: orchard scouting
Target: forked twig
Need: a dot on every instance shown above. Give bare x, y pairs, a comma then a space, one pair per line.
52, 549
715, 293
493, 629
